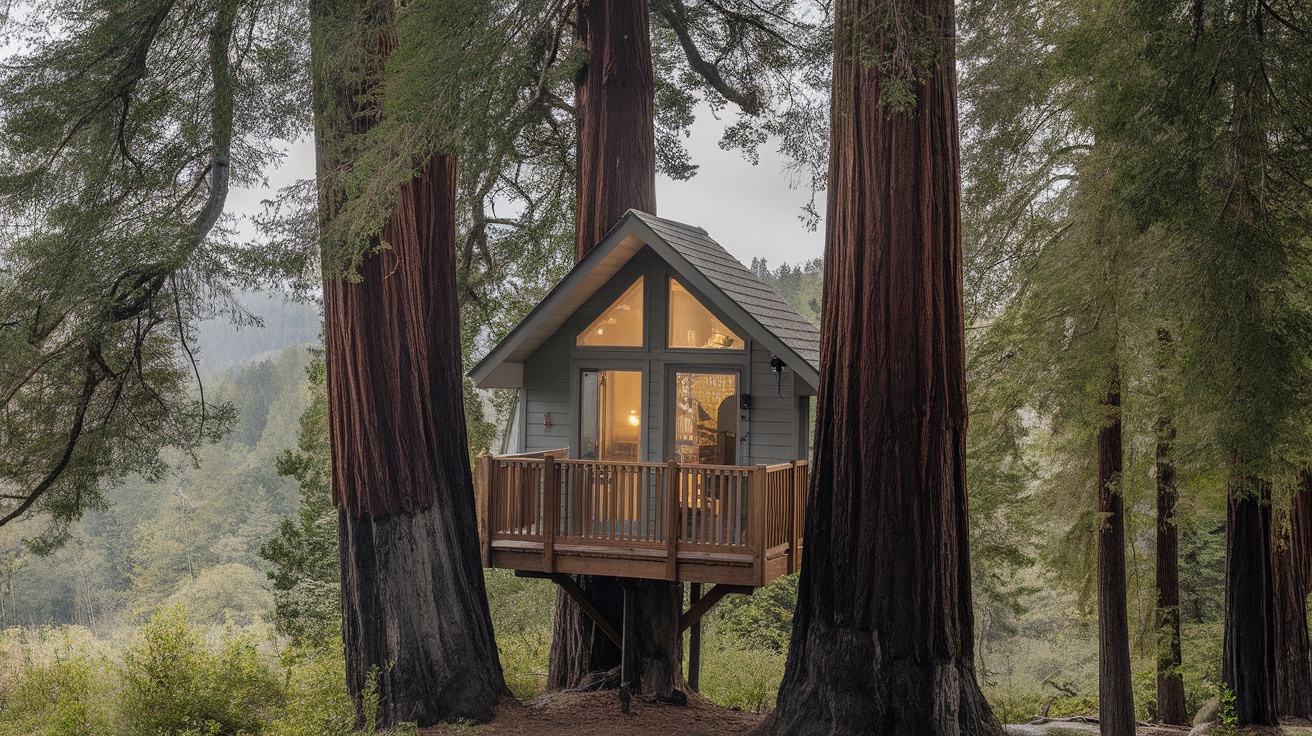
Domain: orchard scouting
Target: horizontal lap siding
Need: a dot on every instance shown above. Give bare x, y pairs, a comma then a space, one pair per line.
546, 391
774, 414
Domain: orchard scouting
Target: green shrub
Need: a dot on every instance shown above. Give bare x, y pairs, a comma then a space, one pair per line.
317, 701
1083, 705
175, 683
54, 683
763, 620
744, 679
1012, 705
522, 609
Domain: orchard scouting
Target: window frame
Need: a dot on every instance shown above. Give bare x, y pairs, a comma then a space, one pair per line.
643, 326
669, 323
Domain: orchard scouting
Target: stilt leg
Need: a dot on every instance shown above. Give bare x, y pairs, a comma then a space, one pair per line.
627, 627
695, 640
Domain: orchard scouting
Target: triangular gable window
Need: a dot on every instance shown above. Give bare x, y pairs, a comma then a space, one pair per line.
693, 326
620, 325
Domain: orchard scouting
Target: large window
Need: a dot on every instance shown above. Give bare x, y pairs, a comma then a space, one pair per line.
706, 418
620, 325
693, 326
610, 416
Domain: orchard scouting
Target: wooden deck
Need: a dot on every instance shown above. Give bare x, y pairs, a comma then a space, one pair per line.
729, 525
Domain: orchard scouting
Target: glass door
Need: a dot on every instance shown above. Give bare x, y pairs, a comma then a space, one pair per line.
706, 418
610, 416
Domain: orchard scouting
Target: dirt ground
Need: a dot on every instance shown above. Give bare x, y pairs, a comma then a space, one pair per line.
577, 714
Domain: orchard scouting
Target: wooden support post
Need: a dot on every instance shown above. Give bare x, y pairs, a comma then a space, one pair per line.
550, 510
695, 640
626, 661
758, 525
791, 511
483, 507
672, 519
801, 487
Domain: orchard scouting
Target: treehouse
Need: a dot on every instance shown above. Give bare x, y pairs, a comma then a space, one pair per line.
662, 426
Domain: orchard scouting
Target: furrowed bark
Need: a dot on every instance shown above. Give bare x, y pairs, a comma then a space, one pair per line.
1115, 696
415, 618
1170, 685
1248, 658
615, 103
1292, 648
882, 636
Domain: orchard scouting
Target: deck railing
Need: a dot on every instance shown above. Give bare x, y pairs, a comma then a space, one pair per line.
667, 513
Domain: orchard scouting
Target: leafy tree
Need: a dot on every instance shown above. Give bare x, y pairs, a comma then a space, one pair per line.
303, 554
123, 127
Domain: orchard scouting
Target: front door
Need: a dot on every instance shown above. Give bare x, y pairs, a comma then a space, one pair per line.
610, 416
706, 417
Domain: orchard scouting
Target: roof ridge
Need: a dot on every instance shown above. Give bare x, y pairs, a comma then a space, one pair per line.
668, 221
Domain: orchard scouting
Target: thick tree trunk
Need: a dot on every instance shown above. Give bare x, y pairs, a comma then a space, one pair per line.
614, 99
413, 599
1170, 685
1293, 650
883, 633
414, 608
1115, 693
1248, 660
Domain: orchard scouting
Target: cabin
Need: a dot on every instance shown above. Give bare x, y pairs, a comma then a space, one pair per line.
662, 427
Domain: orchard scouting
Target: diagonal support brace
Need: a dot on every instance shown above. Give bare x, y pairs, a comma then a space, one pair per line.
713, 596
584, 600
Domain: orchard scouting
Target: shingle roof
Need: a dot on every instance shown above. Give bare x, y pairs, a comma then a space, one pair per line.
699, 260
728, 273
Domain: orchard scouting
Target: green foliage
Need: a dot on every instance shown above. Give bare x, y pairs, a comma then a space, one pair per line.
1227, 720
762, 621
302, 555
522, 610
175, 682
124, 126
317, 701
55, 682
744, 679
799, 285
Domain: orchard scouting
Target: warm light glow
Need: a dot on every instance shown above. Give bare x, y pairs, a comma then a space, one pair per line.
633, 418
620, 325
693, 326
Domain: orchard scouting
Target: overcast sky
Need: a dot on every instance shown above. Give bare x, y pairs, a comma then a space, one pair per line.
750, 210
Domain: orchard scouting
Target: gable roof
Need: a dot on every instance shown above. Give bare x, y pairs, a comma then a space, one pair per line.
701, 262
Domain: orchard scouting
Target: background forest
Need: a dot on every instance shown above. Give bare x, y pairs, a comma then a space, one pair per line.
1136, 239
207, 536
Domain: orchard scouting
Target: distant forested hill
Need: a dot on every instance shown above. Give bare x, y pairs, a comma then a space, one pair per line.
194, 533
224, 345
800, 285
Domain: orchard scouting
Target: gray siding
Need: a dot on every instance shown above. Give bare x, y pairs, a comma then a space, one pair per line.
547, 391
551, 375
773, 429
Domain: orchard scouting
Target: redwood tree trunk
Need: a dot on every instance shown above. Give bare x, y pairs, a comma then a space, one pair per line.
1248, 660
1115, 693
414, 607
1293, 676
1170, 685
614, 99
883, 636
615, 103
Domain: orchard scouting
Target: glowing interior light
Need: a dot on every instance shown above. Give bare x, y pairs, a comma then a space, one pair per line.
633, 417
